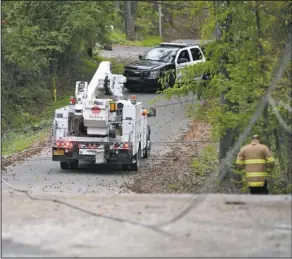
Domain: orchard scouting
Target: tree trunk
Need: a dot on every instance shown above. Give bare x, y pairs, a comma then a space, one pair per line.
129, 22
265, 130
227, 141
134, 7
289, 144
117, 5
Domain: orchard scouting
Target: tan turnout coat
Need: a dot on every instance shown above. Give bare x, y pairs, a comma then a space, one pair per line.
257, 160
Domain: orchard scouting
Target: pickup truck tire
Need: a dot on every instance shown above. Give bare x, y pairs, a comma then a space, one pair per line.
64, 165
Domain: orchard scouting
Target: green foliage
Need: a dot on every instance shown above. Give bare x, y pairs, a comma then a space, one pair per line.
32, 127
146, 15
42, 40
242, 62
206, 162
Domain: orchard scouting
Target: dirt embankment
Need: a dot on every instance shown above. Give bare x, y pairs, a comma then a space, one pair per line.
175, 174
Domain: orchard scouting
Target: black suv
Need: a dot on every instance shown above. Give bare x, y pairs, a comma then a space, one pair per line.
145, 73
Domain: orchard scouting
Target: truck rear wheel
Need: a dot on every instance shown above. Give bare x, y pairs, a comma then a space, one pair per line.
74, 164
146, 152
125, 167
135, 166
64, 165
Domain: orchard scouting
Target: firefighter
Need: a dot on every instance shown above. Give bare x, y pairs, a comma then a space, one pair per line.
257, 160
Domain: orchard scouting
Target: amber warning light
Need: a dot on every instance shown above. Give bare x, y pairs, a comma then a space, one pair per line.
113, 106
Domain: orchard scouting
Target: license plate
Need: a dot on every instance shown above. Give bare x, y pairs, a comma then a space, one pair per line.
59, 152
130, 78
87, 152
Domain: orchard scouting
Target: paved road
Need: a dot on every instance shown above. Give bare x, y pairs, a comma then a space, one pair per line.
42, 174
247, 226
129, 53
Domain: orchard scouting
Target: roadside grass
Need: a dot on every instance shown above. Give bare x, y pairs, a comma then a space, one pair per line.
36, 129
18, 142
117, 37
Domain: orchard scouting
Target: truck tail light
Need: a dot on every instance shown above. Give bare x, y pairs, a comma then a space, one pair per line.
65, 144
68, 144
121, 146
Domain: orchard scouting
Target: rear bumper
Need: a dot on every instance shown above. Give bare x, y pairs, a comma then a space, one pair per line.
111, 157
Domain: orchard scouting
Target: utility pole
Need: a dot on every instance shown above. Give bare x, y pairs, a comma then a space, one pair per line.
159, 20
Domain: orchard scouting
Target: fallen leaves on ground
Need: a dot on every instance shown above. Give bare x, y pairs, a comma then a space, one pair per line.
174, 173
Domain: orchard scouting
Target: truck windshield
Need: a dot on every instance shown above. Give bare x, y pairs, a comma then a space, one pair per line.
164, 54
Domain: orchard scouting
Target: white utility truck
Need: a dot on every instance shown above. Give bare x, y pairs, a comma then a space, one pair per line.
99, 129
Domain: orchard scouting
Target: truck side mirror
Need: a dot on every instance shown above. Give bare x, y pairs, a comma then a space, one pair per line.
140, 56
151, 112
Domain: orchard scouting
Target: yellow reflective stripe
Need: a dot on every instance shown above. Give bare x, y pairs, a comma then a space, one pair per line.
256, 184
270, 160
255, 161
256, 174
240, 162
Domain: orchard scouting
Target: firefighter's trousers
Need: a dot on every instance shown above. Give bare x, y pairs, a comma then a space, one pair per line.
260, 190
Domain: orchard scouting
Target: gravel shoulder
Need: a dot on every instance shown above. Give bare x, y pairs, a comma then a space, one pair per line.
174, 172
124, 53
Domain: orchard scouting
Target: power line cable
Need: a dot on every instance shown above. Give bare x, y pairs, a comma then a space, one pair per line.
279, 117
86, 211
194, 203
